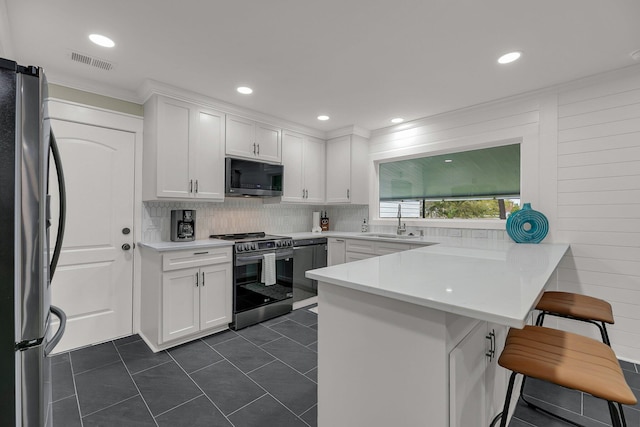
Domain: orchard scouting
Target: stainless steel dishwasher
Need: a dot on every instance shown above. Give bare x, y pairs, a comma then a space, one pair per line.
307, 255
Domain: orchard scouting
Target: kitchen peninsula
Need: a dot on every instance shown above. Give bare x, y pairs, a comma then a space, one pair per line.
412, 338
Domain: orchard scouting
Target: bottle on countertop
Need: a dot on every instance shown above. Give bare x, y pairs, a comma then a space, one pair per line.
365, 226
324, 222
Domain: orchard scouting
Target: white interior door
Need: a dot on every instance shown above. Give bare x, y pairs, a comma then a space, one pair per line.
93, 283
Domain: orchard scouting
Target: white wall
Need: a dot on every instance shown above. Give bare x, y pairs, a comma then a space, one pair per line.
580, 167
599, 200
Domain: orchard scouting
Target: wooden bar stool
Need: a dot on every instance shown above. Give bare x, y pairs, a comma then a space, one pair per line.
569, 360
577, 307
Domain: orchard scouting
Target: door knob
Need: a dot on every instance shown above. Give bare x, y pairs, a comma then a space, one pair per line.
126, 247
126, 230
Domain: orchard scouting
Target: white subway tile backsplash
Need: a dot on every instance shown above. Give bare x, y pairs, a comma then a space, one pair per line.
246, 215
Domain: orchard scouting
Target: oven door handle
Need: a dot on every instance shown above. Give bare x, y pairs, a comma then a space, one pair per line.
254, 259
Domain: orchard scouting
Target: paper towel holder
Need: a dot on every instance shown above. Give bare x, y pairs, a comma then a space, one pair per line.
315, 228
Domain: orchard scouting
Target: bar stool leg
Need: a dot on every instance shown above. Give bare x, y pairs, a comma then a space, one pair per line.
507, 400
601, 325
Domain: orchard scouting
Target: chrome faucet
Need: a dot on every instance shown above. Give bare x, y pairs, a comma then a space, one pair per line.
402, 228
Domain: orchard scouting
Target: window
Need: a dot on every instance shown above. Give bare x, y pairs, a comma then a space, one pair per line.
478, 184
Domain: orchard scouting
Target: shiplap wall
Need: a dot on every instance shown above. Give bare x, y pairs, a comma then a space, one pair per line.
599, 202
581, 167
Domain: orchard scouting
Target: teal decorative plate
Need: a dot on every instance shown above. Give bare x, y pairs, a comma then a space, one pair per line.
527, 225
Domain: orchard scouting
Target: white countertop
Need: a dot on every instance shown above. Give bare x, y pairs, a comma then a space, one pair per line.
205, 243
176, 246
490, 280
386, 237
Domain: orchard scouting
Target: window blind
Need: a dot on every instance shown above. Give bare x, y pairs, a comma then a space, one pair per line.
488, 172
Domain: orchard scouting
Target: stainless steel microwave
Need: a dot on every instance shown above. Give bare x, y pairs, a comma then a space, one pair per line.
249, 178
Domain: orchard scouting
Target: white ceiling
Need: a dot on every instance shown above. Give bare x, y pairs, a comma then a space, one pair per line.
362, 62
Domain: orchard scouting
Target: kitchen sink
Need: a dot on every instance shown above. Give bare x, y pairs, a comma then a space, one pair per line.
391, 236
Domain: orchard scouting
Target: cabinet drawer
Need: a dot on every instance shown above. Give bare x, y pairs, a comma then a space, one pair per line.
195, 258
362, 246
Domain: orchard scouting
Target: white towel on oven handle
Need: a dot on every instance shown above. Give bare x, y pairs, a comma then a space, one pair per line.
268, 276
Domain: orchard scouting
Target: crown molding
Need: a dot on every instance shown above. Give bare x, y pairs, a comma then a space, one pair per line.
349, 130
152, 87
91, 87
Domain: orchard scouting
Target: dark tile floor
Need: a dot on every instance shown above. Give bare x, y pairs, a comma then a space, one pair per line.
262, 376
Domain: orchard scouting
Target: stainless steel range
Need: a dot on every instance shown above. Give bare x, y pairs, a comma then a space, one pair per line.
262, 277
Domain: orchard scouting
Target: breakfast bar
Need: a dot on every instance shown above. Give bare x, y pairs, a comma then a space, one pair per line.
412, 338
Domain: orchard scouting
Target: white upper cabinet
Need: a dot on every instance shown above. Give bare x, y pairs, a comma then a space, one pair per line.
252, 140
347, 172
303, 158
183, 151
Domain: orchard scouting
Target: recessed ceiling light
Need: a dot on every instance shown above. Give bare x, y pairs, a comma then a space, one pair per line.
101, 40
245, 90
509, 57
397, 120
323, 117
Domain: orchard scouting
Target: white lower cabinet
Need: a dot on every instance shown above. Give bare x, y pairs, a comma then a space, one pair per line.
185, 295
357, 249
336, 251
194, 300
477, 385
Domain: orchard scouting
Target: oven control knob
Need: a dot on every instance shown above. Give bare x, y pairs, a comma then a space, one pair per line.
239, 248
247, 247
289, 243
278, 243
253, 246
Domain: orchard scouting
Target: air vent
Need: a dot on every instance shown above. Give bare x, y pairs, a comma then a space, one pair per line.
91, 61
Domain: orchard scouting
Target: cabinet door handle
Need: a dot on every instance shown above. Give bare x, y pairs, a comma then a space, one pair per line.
203, 279
258, 149
492, 345
197, 279
190, 186
303, 193
347, 193
254, 148
196, 185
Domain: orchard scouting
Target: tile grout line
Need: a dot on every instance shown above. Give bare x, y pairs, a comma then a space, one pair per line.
73, 377
147, 369
265, 390
283, 362
181, 404
205, 367
136, 386
110, 406
554, 405
199, 388
266, 393
522, 421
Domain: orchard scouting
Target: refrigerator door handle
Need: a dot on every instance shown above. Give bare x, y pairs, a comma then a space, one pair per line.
63, 204
58, 336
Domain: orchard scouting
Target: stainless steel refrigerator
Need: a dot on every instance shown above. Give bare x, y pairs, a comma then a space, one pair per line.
26, 262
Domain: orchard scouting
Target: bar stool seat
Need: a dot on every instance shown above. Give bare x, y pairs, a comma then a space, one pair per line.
569, 360
577, 307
